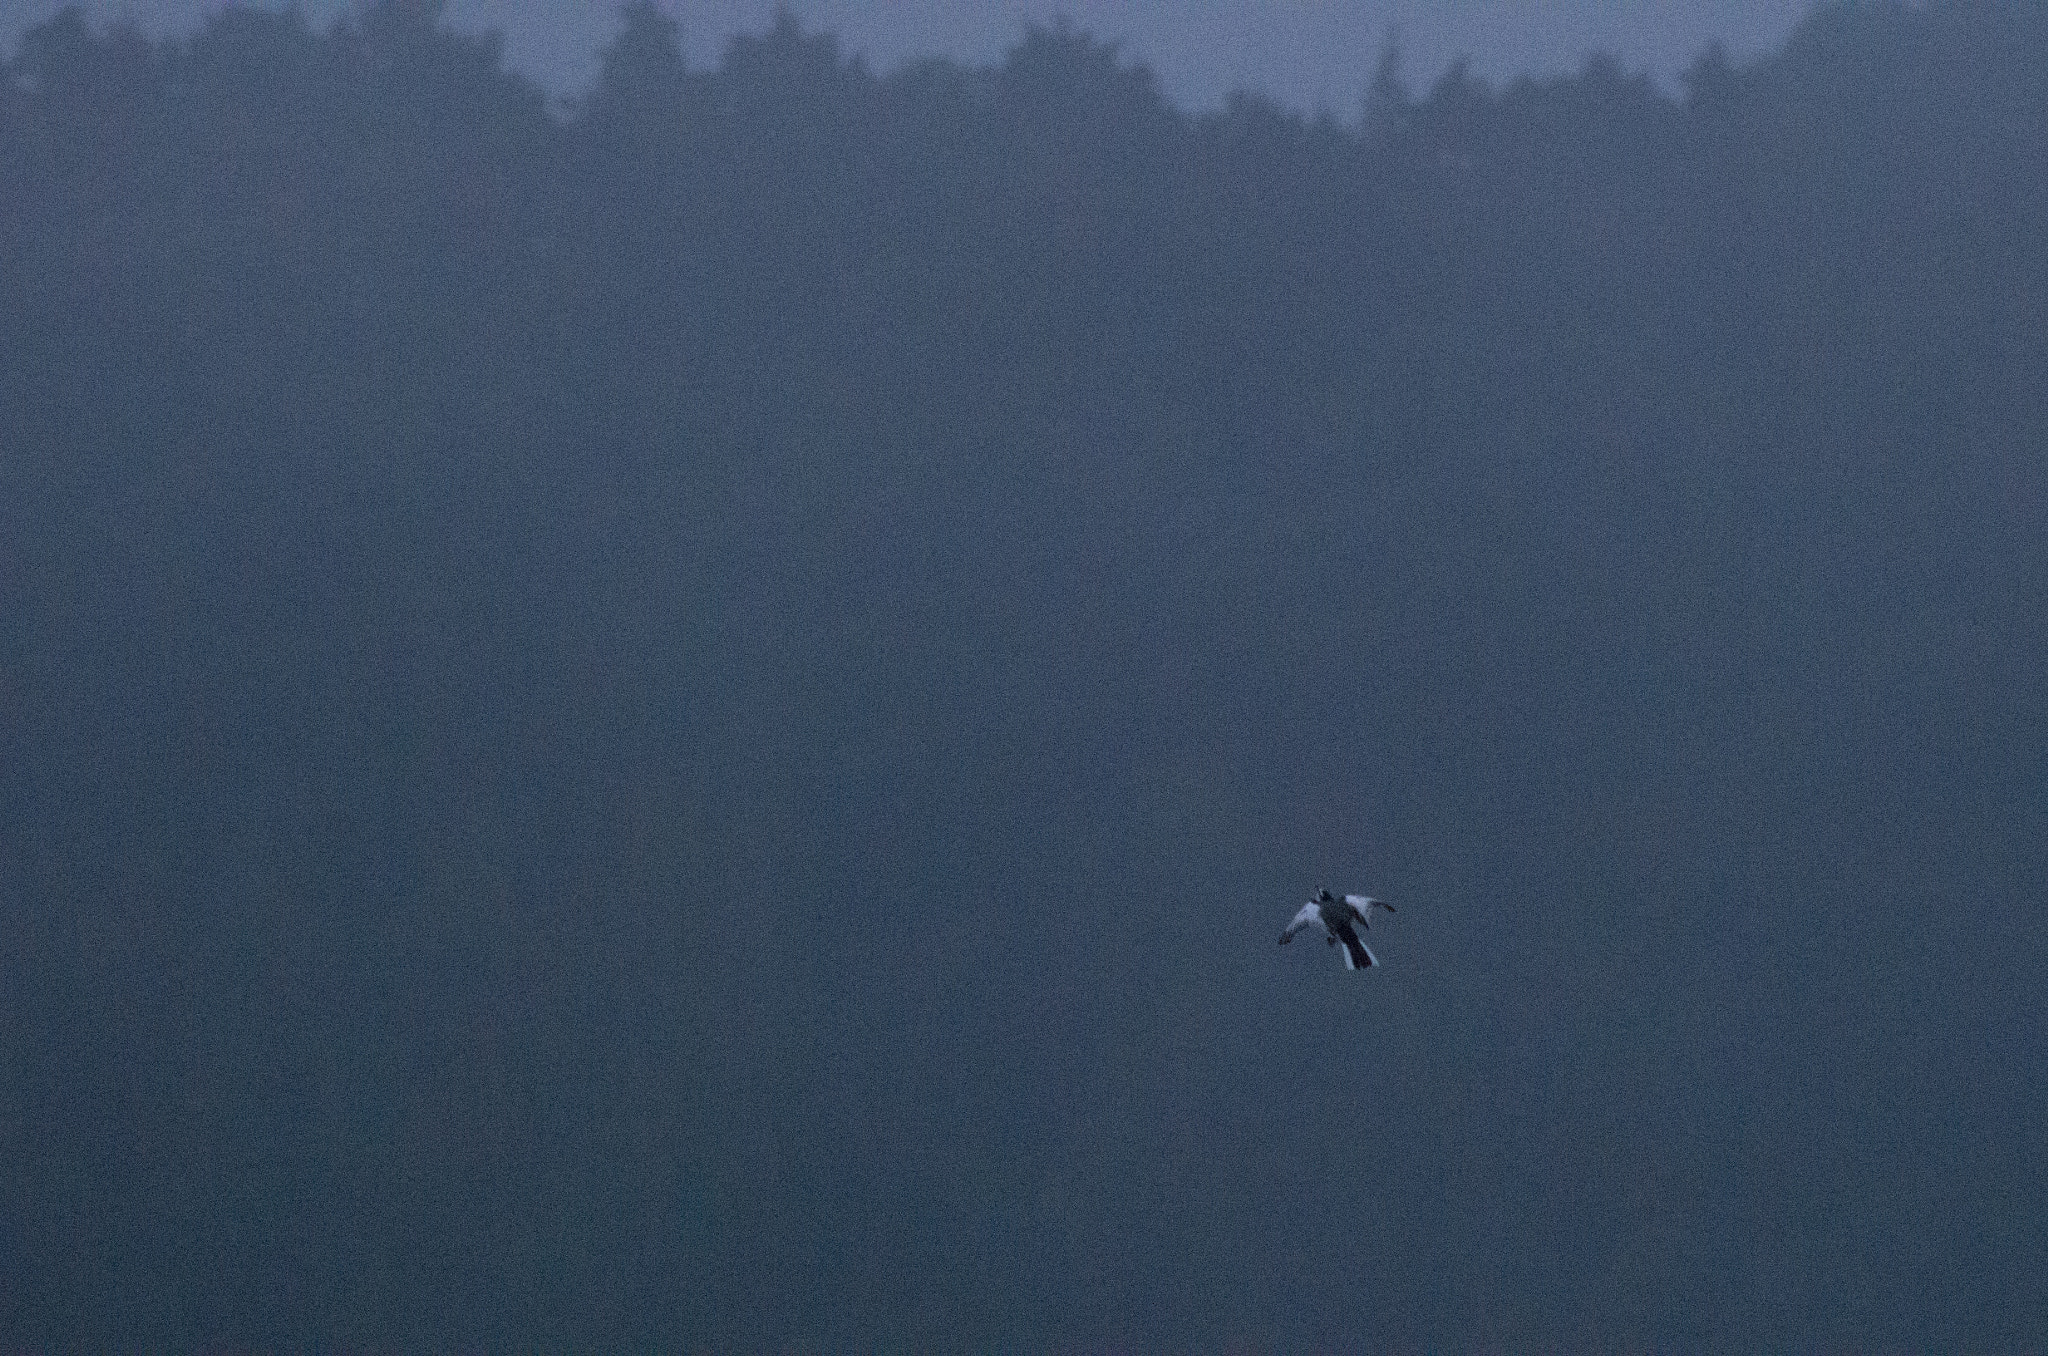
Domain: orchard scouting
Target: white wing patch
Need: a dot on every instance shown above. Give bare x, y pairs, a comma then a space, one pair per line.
1307, 915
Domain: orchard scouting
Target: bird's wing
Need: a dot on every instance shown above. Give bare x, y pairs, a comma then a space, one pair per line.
1309, 914
1365, 904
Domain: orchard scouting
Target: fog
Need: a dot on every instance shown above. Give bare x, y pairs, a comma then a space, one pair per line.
689, 721
1306, 56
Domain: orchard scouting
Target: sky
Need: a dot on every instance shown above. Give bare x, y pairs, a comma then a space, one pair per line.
1306, 55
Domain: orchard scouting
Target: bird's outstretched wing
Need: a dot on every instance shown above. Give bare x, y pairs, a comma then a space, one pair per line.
1363, 905
1309, 914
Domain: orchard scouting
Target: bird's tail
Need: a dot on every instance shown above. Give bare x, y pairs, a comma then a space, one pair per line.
1357, 956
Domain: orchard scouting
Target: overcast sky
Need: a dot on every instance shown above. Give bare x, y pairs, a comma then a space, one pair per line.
1302, 53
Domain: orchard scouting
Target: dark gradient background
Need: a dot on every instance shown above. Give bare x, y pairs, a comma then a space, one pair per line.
688, 723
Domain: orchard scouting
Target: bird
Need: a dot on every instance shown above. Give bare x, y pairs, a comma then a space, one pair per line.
1338, 917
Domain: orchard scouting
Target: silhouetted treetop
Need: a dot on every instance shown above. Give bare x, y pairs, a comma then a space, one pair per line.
745, 212
642, 75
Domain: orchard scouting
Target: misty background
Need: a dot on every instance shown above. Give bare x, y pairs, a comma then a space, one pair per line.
687, 717
1305, 55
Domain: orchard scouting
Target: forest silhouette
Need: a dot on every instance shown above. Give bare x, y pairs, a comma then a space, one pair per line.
685, 718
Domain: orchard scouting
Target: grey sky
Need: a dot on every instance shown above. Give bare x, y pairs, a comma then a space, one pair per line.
1302, 53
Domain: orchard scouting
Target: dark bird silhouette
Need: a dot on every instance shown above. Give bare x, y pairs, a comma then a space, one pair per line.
1342, 920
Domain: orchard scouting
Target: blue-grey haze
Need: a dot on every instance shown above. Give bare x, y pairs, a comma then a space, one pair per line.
687, 723
1305, 55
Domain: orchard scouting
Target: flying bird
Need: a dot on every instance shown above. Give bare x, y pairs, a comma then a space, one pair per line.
1342, 920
